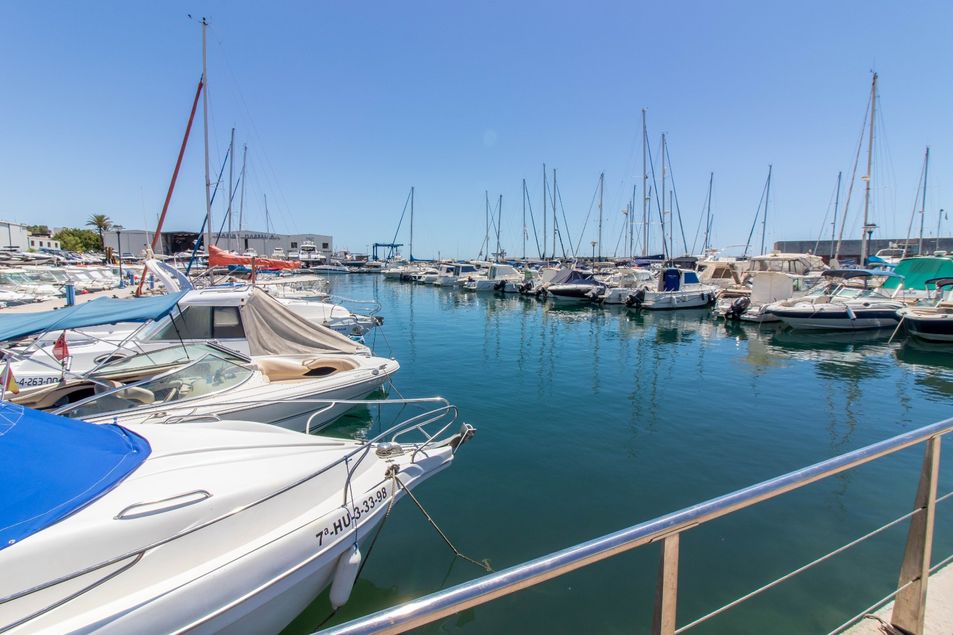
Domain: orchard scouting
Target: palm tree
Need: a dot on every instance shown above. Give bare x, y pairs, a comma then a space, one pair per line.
102, 223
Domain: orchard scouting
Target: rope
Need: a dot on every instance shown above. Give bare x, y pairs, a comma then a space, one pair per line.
484, 564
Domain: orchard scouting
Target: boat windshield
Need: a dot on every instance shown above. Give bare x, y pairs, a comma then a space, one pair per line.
164, 357
13, 278
43, 277
206, 376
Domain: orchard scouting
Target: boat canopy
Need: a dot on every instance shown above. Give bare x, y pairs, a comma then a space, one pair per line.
51, 467
16, 326
940, 282
573, 276
920, 270
273, 329
218, 257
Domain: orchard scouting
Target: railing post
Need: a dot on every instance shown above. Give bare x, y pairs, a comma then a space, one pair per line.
666, 591
910, 606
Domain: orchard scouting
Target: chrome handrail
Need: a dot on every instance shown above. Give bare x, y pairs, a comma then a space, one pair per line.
435, 606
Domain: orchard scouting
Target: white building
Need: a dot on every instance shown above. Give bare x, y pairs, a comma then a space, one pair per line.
14, 235
38, 241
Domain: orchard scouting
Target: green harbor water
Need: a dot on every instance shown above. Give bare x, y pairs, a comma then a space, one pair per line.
590, 419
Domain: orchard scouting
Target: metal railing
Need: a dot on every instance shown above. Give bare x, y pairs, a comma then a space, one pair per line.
909, 606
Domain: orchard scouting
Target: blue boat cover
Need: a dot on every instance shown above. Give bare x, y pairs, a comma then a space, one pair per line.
51, 467
15, 326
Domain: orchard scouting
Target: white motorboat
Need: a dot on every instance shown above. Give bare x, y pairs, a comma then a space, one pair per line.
499, 278
677, 289
208, 381
243, 319
22, 282
216, 527
842, 303
622, 285
458, 274
330, 267
767, 287
932, 323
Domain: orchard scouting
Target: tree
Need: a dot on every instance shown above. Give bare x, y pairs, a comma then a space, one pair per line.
80, 240
102, 223
38, 230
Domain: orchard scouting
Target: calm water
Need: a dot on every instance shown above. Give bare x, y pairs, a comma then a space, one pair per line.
590, 419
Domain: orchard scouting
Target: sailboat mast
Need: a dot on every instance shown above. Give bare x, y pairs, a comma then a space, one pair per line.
499, 220
241, 202
486, 225
870, 160
267, 217
632, 224
764, 219
555, 225
707, 246
545, 207
231, 190
411, 223
836, 205
665, 248
524, 220
602, 180
208, 181
645, 192
923, 204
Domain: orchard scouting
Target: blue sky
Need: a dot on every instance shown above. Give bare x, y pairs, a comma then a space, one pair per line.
344, 106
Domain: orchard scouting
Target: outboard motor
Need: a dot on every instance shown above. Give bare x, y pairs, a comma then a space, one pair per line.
636, 299
526, 287
737, 307
500, 286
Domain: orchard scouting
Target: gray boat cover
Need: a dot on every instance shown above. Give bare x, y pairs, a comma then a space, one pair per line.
273, 329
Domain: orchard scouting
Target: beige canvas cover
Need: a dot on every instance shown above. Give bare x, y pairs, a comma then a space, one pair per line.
272, 329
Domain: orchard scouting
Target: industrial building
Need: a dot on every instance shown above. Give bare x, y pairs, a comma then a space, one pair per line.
134, 241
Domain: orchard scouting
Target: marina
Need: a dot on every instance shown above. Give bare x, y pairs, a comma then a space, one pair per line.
285, 350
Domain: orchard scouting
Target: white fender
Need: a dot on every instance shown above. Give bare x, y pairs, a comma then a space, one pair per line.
345, 574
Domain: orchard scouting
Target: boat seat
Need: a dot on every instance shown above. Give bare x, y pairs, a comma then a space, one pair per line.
282, 368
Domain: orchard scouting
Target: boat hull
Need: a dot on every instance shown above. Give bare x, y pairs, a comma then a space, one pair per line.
838, 320
938, 328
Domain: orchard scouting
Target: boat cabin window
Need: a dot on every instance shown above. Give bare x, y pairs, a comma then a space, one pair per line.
202, 323
691, 277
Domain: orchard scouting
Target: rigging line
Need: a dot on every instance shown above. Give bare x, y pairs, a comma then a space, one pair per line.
830, 204
532, 218
757, 213
658, 204
592, 203
221, 227
559, 196
853, 177
701, 217
678, 210
236, 86
404, 211
916, 203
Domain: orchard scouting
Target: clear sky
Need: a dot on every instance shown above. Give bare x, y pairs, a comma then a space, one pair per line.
344, 106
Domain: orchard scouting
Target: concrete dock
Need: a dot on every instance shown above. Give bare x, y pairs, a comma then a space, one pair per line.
939, 617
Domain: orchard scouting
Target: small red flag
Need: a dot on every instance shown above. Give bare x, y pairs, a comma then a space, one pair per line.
60, 349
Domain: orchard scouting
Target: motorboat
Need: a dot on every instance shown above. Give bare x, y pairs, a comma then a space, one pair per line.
573, 285
499, 278
308, 254
205, 527
932, 323
209, 381
623, 285
915, 276
243, 319
804, 269
847, 299
457, 274
330, 267
677, 289
767, 287
22, 282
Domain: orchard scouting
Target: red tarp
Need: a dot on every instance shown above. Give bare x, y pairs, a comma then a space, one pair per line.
218, 257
